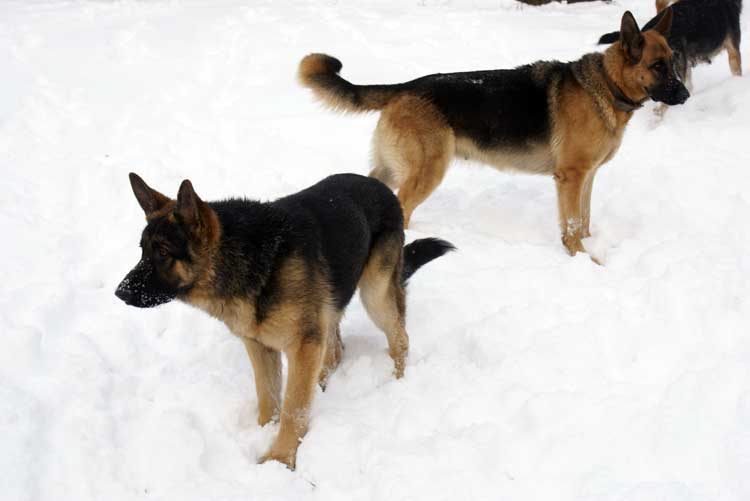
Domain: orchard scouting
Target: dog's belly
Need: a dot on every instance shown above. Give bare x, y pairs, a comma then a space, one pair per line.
537, 159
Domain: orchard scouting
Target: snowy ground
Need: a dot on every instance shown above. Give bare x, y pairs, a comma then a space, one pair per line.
532, 375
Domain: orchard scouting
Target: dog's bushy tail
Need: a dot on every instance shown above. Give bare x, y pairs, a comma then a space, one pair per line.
422, 251
609, 38
320, 72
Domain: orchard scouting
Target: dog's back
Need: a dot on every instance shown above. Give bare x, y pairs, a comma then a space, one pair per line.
702, 25
470, 101
700, 29
338, 220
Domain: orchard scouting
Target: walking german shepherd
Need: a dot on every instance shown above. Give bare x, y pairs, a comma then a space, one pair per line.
280, 275
700, 30
564, 119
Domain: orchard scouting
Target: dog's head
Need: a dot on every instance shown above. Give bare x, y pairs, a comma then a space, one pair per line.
648, 66
174, 246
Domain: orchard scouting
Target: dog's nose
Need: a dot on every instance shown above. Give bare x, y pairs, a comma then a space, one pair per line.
683, 95
124, 294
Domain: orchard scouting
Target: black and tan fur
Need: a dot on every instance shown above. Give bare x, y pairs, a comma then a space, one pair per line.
280, 275
700, 30
561, 119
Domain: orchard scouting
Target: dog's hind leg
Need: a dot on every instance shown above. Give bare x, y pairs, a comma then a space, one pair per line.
413, 139
381, 171
267, 369
732, 45
332, 358
420, 185
384, 297
383, 174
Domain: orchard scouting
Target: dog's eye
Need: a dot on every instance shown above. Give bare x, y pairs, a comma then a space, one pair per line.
163, 252
658, 65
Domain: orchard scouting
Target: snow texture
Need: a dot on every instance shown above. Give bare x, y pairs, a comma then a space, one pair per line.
532, 375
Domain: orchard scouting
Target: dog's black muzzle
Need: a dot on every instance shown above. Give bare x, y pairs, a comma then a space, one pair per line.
670, 92
142, 288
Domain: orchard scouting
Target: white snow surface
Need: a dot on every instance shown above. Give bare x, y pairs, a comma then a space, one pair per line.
532, 375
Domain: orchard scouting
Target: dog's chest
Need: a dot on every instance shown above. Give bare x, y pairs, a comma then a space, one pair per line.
610, 146
240, 318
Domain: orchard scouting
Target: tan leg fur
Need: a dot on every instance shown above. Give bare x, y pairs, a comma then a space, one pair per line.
333, 352
267, 369
413, 147
383, 296
735, 59
305, 357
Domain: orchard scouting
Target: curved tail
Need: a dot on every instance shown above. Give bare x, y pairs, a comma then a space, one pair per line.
421, 252
320, 72
609, 38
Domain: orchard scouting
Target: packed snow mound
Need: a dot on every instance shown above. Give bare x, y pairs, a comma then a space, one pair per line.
532, 375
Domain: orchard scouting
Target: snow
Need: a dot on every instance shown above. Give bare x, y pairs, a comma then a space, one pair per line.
532, 375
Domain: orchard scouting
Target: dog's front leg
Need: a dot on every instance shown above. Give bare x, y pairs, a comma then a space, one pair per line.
305, 357
588, 186
570, 183
267, 369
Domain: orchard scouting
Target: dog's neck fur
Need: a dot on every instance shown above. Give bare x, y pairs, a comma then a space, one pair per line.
621, 101
601, 76
613, 65
252, 235
247, 237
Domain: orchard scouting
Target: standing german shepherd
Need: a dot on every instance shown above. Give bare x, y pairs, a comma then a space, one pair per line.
564, 119
279, 275
700, 30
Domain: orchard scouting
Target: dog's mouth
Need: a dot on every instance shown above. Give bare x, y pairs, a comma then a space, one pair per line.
670, 94
140, 289
142, 298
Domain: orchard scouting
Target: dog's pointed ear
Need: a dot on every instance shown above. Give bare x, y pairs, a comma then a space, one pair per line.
631, 38
188, 204
149, 199
665, 23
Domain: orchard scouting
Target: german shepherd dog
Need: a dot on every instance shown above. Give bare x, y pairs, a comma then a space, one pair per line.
700, 30
280, 275
563, 119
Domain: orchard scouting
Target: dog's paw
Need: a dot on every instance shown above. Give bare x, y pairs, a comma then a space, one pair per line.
268, 413
264, 419
573, 245
286, 458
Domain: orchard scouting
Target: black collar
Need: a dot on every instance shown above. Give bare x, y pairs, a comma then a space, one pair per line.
621, 101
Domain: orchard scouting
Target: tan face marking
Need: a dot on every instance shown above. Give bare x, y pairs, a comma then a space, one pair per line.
640, 77
182, 272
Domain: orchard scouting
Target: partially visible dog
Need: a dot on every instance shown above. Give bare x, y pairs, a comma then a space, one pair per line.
700, 30
662, 4
549, 117
279, 275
